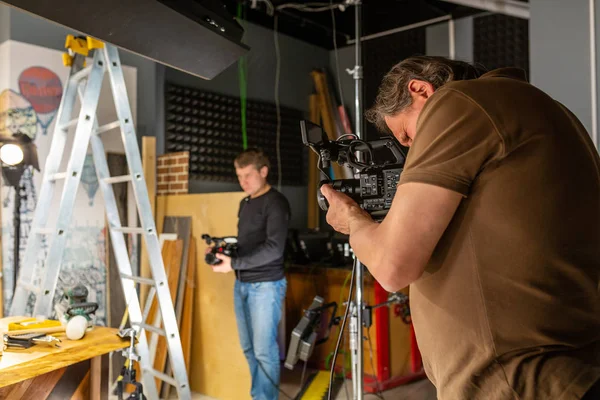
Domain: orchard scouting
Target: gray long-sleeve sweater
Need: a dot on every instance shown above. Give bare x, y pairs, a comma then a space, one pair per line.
262, 231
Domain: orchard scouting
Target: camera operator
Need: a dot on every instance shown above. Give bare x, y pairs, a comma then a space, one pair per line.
496, 227
260, 284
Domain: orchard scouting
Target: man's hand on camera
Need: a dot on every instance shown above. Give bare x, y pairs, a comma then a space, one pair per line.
342, 210
224, 266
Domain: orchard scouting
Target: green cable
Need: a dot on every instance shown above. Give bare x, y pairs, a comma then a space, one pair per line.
242, 73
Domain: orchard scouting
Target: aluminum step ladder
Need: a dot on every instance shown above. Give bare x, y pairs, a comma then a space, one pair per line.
86, 83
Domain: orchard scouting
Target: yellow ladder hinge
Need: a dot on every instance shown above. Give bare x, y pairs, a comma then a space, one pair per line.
79, 45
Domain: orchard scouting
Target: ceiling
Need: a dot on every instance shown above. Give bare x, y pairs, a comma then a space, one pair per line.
377, 16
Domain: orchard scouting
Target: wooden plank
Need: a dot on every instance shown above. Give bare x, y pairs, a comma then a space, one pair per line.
171, 254
71, 381
327, 116
25, 364
83, 390
182, 226
38, 388
117, 166
95, 378
149, 167
188, 305
313, 172
217, 359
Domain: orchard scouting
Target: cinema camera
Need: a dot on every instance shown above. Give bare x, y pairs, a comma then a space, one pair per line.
375, 184
226, 245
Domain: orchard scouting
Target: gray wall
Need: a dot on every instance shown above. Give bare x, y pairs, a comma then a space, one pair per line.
437, 39
560, 53
4, 23
298, 59
463, 37
31, 29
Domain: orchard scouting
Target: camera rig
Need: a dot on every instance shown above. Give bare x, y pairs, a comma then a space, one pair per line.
226, 245
375, 183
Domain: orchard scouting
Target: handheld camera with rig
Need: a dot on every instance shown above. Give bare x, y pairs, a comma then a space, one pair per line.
226, 245
374, 185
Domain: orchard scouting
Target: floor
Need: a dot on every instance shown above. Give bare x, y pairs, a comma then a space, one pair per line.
290, 385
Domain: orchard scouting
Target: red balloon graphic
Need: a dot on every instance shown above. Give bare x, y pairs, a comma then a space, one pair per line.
42, 88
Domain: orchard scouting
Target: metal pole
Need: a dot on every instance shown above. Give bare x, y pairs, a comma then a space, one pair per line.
358, 93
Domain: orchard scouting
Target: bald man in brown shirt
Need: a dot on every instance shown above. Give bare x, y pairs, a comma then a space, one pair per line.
495, 226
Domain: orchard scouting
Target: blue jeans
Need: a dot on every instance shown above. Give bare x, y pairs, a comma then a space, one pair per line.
258, 309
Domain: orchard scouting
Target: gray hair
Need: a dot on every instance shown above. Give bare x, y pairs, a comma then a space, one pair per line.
393, 95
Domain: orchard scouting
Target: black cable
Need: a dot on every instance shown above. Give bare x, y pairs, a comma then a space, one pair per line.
337, 346
276, 386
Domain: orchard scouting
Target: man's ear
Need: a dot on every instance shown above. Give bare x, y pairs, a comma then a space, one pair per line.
419, 88
264, 171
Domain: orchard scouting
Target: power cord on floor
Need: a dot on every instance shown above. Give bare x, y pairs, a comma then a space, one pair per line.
339, 340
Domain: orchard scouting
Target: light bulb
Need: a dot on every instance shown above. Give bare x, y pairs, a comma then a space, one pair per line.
11, 154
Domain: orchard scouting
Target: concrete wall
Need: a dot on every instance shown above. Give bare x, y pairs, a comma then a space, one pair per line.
438, 44
4, 23
560, 53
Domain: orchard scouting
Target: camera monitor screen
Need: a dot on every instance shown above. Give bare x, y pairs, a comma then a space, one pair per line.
312, 134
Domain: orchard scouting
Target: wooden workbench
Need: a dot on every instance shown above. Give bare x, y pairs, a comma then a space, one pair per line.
38, 369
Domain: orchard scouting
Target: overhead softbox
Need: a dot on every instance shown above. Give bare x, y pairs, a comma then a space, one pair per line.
196, 36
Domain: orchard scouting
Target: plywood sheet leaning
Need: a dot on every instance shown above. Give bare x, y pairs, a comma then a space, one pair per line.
149, 167
217, 359
117, 166
182, 227
313, 172
328, 118
185, 329
171, 253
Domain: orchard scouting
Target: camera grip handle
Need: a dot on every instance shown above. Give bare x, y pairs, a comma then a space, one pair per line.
321, 200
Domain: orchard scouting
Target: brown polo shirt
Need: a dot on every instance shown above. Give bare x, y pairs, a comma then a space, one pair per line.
509, 304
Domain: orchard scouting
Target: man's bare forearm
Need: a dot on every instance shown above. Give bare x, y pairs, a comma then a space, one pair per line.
370, 245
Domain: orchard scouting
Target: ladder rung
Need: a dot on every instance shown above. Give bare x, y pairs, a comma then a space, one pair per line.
57, 176
81, 74
128, 229
108, 127
139, 279
150, 328
161, 376
30, 287
43, 231
117, 179
69, 124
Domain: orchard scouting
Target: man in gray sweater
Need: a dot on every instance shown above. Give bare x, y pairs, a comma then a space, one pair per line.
260, 285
